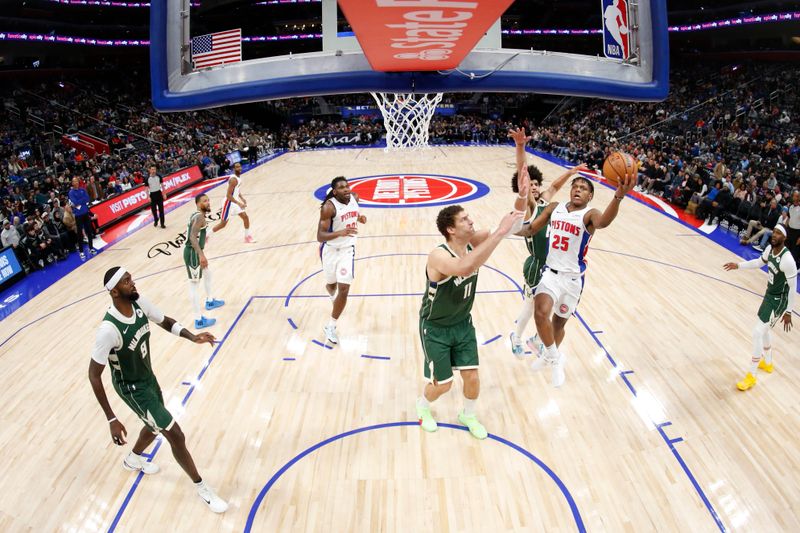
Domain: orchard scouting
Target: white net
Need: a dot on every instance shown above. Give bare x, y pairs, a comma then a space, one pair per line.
407, 118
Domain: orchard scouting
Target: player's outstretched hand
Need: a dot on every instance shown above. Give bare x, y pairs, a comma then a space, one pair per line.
200, 338
118, 432
508, 222
518, 134
524, 182
362, 219
579, 168
730, 266
787, 321
347, 232
626, 185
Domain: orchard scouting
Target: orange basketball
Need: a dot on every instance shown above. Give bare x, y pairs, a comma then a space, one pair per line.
617, 165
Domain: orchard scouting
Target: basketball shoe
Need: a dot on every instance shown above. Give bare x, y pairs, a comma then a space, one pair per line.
249, 239
330, 334
535, 345
426, 419
748, 382
476, 429
214, 303
516, 346
766, 367
214, 502
204, 322
134, 463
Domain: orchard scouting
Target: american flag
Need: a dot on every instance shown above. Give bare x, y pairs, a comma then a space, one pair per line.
217, 48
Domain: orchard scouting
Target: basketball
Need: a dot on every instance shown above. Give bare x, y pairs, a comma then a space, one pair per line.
617, 165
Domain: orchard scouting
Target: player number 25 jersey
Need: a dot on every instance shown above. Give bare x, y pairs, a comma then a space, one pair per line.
567, 240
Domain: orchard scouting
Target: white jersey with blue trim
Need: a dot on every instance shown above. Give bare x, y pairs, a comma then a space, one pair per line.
236, 188
567, 240
346, 216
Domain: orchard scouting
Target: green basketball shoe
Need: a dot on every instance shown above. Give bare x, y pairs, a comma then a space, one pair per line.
475, 428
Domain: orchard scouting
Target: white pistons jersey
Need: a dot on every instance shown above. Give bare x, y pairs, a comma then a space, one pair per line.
346, 216
567, 240
236, 189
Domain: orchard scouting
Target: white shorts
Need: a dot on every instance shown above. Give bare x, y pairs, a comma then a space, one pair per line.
230, 210
338, 264
565, 290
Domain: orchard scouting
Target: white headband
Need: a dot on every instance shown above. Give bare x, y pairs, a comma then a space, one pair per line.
115, 278
779, 227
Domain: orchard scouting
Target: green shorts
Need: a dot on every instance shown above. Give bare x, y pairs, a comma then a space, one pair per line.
447, 348
772, 308
532, 270
192, 262
147, 402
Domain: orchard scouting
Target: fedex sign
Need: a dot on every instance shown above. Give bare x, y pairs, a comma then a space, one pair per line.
616, 40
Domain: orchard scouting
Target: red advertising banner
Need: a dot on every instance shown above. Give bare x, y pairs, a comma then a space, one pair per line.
403, 35
113, 209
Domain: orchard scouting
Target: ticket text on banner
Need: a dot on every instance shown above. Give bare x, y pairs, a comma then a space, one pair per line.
403, 35
137, 198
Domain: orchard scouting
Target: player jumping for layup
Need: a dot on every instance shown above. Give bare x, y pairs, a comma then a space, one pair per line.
123, 341
445, 319
235, 204
337, 229
196, 263
571, 226
778, 301
536, 244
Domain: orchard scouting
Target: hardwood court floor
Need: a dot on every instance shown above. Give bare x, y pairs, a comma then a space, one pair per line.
593, 454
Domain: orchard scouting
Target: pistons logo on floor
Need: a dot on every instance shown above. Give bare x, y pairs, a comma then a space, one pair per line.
411, 190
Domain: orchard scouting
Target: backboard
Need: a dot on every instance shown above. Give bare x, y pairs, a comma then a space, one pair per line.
341, 67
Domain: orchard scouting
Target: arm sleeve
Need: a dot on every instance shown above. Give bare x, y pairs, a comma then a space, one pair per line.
758, 262
790, 269
106, 340
152, 312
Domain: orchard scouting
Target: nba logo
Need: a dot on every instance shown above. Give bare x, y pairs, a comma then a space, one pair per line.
615, 29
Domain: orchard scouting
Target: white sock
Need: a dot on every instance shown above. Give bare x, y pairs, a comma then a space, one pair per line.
768, 347
207, 283
524, 317
246, 232
134, 457
332, 323
422, 401
760, 332
469, 406
198, 314
551, 352
200, 485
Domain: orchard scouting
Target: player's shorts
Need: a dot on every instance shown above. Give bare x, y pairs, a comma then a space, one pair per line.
565, 290
192, 262
338, 264
230, 210
448, 348
145, 399
532, 271
773, 308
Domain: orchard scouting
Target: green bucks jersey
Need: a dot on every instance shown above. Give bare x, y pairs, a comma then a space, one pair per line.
449, 301
201, 239
537, 244
777, 285
130, 363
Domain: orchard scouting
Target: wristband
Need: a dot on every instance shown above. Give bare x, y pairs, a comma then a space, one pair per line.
176, 329
112, 419
522, 197
618, 197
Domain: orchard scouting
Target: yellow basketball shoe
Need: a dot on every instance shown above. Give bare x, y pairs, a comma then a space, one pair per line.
766, 367
748, 382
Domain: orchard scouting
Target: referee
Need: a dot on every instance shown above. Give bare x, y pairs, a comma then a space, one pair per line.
154, 183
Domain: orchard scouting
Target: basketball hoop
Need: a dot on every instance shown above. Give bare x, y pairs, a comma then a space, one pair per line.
407, 118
